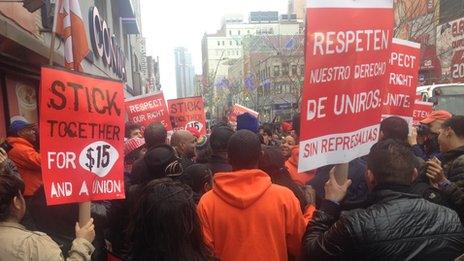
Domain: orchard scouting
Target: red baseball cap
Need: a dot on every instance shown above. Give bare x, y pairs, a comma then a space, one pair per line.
437, 115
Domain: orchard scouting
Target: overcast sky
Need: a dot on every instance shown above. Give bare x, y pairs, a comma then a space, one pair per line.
172, 23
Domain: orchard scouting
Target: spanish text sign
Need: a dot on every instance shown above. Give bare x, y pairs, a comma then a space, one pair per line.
81, 137
346, 65
188, 112
403, 70
148, 109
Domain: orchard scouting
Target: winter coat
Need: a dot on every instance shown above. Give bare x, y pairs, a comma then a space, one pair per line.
27, 159
218, 164
18, 243
455, 198
453, 166
246, 217
396, 226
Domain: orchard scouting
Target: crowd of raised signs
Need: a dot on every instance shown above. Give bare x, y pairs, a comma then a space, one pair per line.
236, 194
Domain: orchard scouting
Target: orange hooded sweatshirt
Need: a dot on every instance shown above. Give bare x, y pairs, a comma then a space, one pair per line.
246, 217
292, 166
27, 159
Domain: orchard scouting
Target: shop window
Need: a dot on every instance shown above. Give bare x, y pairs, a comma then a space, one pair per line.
284, 69
22, 99
276, 70
294, 70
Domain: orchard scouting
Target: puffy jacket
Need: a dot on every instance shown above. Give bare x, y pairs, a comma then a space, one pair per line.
455, 198
453, 165
396, 226
27, 159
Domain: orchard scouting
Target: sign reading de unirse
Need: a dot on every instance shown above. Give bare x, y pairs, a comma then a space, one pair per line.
81, 137
346, 68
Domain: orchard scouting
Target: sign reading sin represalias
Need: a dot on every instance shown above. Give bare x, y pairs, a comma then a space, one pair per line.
347, 51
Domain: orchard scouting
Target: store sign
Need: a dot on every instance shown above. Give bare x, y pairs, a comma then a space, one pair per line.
105, 45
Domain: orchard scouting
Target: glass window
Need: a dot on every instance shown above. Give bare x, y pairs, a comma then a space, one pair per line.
276, 70
285, 69
219, 43
223, 43
230, 32
238, 32
248, 31
230, 43
302, 69
294, 70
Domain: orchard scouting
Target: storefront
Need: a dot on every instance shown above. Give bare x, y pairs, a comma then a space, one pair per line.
24, 47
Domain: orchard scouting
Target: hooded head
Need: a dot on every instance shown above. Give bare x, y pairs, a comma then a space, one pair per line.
244, 150
247, 121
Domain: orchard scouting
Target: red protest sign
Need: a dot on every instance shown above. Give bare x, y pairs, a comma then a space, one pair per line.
421, 111
239, 109
403, 70
81, 137
188, 112
346, 65
147, 109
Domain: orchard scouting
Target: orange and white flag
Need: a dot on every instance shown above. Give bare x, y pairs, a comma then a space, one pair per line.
69, 25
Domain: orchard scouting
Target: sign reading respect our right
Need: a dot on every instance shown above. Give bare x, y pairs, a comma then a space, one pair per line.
346, 68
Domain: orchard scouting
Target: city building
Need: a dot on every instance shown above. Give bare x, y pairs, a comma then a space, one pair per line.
153, 75
185, 73
25, 45
225, 47
298, 8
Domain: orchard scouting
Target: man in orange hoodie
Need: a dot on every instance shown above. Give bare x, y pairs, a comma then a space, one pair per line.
245, 216
24, 155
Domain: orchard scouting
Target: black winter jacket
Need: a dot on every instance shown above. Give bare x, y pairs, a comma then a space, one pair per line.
453, 166
396, 226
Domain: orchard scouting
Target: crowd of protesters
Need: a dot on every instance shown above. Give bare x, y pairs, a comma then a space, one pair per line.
237, 194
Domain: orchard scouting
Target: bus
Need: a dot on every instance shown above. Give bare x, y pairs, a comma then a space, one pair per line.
449, 97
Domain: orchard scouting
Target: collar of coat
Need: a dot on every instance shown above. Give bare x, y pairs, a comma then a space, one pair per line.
452, 154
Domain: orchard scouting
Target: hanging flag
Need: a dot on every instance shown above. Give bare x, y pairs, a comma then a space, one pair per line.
249, 82
290, 45
69, 25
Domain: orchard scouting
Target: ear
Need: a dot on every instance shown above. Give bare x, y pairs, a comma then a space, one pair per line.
17, 203
206, 187
415, 174
449, 132
370, 179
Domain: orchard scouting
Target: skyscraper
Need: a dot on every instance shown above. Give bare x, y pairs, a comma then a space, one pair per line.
185, 73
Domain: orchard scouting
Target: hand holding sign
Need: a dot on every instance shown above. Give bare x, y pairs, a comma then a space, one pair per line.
98, 158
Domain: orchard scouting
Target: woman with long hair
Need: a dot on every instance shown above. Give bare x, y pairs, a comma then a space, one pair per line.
272, 162
165, 226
